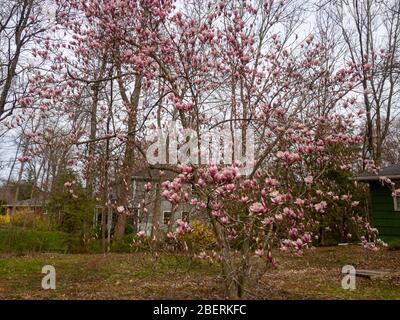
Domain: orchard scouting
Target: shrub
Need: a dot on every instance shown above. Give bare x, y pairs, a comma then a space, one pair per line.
71, 206
123, 245
4, 219
20, 240
200, 239
29, 219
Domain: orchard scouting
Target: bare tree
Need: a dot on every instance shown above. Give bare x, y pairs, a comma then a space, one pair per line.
371, 31
22, 22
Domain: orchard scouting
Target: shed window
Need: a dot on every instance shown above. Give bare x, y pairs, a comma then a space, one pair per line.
167, 217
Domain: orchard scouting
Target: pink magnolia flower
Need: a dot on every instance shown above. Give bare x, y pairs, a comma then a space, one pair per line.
259, 252
288, 212
396, 193
232, 235
185, 169
171, 235
308, 180
224, 220
23, 158
201, 183
320, 207
299, 243
121, 137
299, 202
310, 39
355, 203
257, 208
147, 186
293, 233
230, 188
120, 209
141, 234
306, 237
268, 221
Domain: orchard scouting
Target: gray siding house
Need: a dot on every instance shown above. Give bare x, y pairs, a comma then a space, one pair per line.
159, 210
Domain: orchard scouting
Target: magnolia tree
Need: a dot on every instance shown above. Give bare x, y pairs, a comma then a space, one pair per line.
234, 67
224, 63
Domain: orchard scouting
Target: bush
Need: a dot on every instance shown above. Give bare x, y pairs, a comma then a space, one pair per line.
124, 245
29, 219
4, 219
20, 240
94, 246
201, 239
71, 207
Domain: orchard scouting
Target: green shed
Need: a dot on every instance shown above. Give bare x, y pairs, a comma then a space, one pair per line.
384, 207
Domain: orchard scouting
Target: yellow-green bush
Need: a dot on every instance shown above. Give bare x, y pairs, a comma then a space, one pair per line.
4, 219
29, 219
201, 238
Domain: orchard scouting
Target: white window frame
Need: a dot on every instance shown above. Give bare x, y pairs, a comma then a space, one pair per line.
170, 217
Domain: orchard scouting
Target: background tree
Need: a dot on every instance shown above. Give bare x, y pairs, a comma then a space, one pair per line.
70, 206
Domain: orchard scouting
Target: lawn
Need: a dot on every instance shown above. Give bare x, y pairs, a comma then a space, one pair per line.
317, 275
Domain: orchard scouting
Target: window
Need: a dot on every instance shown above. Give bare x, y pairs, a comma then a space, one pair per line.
167, 217
396, 203
185, 216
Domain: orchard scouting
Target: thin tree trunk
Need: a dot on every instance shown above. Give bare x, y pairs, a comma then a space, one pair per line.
128, 163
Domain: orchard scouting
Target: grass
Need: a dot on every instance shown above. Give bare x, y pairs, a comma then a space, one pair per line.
317, 275
394, 244
122, 276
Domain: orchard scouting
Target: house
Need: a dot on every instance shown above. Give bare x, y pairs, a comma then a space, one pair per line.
35, 206
159, 210
30, 198
384, 207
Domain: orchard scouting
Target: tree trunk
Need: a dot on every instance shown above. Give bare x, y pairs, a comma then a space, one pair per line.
156, 212
128, 164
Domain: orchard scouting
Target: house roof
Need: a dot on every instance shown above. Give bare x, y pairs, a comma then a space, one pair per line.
26, 203
154, 174
391, 172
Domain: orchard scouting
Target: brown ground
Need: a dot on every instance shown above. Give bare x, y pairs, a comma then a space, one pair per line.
317, 275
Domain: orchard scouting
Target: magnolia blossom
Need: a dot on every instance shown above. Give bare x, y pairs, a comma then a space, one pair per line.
308, 180
23, 158
141, 234
257, 208
67, 184
121, 137
320, 207
224, 220
299, 202
147, 186
259, 252
293, 233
